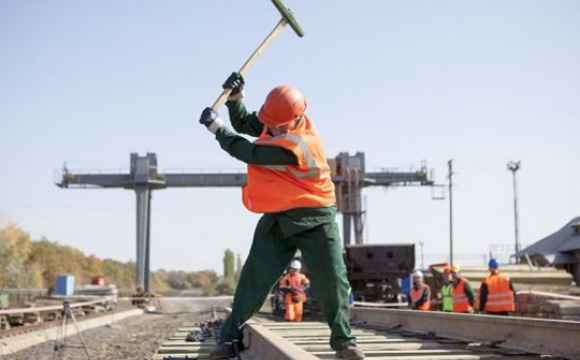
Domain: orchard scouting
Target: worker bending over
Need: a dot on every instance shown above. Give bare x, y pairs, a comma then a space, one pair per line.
294, 284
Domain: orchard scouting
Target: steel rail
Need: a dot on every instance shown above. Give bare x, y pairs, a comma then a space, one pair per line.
542, 336
54, 307
310, 340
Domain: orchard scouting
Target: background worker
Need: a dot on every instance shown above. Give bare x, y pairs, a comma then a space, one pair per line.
289, 182
420, 293
496, 293
294, 285
446, 295
462, 292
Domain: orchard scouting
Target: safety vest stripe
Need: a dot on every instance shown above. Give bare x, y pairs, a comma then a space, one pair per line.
296, 141
497, 303
491, 296
313, 171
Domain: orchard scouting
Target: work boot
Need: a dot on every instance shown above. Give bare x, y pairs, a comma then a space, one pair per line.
350, 352
221, 352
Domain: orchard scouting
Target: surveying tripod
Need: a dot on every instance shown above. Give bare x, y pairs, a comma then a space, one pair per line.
60, 342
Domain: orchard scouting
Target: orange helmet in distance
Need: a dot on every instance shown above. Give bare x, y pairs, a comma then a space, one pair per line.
446, 270
283, 104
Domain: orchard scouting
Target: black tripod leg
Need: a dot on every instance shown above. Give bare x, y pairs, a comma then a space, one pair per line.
80, 336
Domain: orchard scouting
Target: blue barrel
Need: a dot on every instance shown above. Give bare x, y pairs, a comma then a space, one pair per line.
65, 285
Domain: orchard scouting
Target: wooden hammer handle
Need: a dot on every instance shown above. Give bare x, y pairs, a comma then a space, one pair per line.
251, 60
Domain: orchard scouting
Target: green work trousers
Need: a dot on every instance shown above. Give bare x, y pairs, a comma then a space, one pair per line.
269, 256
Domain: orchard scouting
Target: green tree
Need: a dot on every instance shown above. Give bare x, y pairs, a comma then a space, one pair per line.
239, 266
228, 264
15, 248
28, 263
44, 255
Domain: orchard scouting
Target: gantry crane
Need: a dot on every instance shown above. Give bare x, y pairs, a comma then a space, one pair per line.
348, 174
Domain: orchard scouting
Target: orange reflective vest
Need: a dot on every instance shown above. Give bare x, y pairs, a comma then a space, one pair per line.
295, 282
417, 293
460, 301
275, 188
499, 295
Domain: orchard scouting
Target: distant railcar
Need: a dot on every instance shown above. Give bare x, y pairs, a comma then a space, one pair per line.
377, 272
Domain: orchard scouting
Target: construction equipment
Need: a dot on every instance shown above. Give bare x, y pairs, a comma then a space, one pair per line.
287, 19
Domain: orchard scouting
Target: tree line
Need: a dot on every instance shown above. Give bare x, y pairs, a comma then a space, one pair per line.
28, 263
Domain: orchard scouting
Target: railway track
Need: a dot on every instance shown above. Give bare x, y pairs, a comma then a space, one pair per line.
398, 335
22, 337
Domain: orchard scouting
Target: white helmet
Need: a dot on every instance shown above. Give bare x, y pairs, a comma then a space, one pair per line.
418, 273
296, 264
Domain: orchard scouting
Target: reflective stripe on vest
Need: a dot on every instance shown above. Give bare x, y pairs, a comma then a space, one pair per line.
460, 301
313, 169
275, 188
499, 296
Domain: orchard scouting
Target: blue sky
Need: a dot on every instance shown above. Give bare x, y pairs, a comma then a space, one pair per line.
480, 82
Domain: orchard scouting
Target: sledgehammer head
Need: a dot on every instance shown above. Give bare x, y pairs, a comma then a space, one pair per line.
288, 16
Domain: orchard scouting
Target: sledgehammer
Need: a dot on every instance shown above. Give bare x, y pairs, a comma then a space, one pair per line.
287, 19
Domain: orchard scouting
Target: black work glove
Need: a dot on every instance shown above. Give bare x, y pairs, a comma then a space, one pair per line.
235, 82
210, 118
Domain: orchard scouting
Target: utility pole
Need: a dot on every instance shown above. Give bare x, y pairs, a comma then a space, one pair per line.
450, 176
514, 166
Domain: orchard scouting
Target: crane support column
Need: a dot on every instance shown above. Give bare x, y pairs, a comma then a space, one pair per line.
143, 195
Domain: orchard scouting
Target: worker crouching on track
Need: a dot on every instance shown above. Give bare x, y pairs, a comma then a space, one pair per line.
289, 182
463, 297
496, 293
294, 284
420, 292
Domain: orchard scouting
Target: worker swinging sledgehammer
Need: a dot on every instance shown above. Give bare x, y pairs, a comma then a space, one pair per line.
288, 182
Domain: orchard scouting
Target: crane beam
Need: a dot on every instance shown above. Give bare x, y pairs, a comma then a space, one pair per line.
348, 173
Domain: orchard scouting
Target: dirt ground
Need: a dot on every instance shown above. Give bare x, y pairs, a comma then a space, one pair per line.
136, 337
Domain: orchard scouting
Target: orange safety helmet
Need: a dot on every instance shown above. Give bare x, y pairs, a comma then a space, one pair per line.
283, 104
446, 270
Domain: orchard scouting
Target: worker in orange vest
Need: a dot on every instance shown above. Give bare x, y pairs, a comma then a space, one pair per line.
289, 182
496, 293
294, 284
461, 291
420, 293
